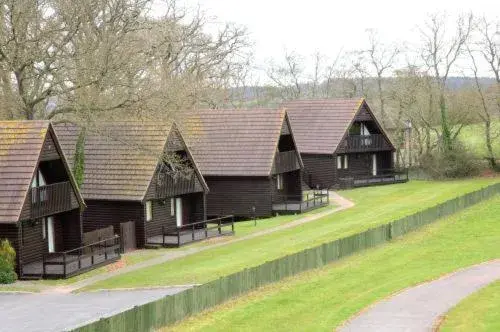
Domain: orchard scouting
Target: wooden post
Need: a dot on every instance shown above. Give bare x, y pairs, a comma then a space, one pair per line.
178, 237
79, 259
206, 230
105, 251
192, 232
91, 255
43, 265
220, 231
64, 267
232, 223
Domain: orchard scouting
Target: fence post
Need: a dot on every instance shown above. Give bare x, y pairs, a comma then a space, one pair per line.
64, 267
220, 230
92, 255
192, 232
43, 266
178, 237
232, 223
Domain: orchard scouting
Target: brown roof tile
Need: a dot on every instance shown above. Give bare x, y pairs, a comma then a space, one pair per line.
120, 157
233, 142
319, 125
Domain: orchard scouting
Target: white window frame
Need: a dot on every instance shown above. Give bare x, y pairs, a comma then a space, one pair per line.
346, 161
339, 162
149, 210
172, 207
279, 181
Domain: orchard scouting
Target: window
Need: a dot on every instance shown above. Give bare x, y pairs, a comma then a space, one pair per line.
339, 162
345, 161
172, 207
149, 211
279, 181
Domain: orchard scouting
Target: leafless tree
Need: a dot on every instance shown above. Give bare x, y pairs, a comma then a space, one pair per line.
288, 76
439, 54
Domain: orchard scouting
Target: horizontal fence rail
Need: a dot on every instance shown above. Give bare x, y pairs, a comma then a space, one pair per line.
199, 230
302, 203
171, 309
174, 185
360, 179
75, 261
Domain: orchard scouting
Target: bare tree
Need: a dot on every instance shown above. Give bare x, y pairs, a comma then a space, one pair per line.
288, 76
382, 59
439, 54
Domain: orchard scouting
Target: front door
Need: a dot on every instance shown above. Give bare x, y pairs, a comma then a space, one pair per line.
374, 164
50, 234
178, 211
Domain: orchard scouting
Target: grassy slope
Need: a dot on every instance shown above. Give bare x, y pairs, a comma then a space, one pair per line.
322, 299
375, 206
478, 312
473, 138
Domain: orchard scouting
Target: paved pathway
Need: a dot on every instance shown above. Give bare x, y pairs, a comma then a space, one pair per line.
341, 202
58, 312
420, 307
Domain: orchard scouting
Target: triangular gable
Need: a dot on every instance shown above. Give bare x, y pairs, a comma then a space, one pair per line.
51, 150
286, 129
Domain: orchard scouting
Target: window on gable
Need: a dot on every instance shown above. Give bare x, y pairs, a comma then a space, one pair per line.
149, 211
345, 161
172, 207
339, 162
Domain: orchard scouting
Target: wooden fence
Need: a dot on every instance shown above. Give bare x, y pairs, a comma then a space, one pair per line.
171, 309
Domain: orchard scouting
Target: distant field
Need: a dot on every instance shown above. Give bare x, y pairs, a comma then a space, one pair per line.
322, 299
479, 312
374, 206
473, 138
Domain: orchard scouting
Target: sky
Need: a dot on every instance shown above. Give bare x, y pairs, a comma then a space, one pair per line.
328, 27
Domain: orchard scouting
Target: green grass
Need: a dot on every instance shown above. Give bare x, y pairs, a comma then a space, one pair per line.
374, 206
479, 312
473, 138
323, 299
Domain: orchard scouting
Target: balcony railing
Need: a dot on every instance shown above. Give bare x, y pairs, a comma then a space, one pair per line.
383, 176
286, 161
361, 143
75, 261
174, 236
50, 199
302, 203
169, 185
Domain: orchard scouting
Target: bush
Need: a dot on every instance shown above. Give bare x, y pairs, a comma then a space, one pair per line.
455, 163
7, 263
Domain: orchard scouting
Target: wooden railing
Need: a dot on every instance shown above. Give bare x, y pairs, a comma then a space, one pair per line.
169, 186
50, 199
383, 176
286, 161
360, 143
198, 230
75, 261
302, 203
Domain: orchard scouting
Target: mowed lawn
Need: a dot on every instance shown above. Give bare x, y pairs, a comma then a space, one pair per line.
374, 206
322, 299
479, 312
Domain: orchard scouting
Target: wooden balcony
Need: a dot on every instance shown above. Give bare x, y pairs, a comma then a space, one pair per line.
286, 162
363, 179
361, 143
50, 199
170, 185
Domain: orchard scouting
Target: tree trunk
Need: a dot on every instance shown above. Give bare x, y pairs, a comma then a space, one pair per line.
381, 97
446, 133
491, 155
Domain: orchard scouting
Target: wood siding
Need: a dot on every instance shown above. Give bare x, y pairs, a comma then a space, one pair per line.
100, 214
161, 217
361, 163
49, 150
237, 195
292, 186
319, 170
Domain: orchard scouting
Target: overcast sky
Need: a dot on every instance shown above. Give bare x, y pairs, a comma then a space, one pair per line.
329, 26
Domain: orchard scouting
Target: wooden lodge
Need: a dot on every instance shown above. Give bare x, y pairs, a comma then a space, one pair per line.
40, 205
249, 160
132, 182
342, 144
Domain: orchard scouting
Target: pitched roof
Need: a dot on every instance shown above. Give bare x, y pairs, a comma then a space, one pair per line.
21, 143
120, 158
234, 142
319, 125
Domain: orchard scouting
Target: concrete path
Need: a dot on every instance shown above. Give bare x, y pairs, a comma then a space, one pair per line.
341, 203
419, 308
60, 312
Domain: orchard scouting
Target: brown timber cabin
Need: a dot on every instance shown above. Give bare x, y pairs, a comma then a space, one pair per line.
248, 158
127, 179
40, 205
342, 144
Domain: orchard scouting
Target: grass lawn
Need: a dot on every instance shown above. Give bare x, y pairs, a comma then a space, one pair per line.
323, 299
478, 312
473, 138
374, 206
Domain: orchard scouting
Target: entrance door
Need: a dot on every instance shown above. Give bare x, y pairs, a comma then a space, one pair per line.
50, 234
178, 211
374, 164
